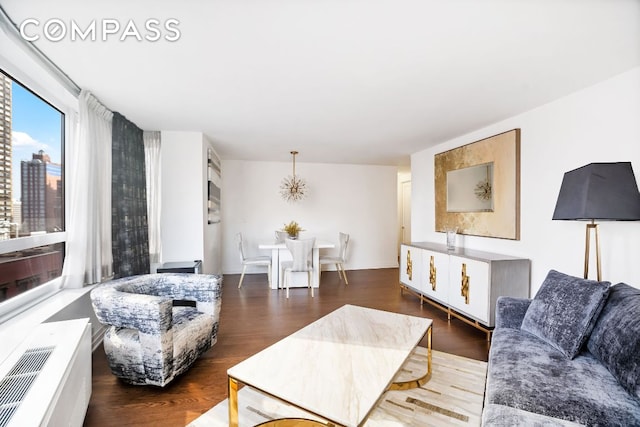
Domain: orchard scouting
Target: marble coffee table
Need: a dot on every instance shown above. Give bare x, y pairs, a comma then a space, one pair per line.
336, 368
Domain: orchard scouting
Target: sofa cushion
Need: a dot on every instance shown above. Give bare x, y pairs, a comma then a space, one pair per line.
527, 374
564, 311
615, 339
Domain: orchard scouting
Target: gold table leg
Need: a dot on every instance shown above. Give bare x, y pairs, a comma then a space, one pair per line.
406, 385
233, 402
429, 352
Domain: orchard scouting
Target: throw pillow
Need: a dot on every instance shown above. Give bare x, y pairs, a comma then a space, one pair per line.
615, 339
564, 311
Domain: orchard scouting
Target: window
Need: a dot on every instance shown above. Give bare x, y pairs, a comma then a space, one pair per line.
31, 189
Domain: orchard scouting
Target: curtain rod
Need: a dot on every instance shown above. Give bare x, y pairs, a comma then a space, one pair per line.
11, 29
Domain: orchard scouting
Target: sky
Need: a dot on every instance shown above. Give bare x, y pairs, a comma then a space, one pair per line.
35, 126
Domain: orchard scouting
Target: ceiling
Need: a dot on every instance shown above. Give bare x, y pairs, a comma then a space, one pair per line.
341, 81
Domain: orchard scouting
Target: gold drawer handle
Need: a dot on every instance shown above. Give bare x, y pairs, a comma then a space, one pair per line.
464, 286
409, 266
432, 274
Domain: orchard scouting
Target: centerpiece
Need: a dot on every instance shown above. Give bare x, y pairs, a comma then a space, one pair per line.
292, 229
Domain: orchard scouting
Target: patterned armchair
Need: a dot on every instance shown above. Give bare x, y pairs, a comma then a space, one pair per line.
159, 324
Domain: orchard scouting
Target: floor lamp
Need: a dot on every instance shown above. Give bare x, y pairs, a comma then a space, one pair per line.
598, 191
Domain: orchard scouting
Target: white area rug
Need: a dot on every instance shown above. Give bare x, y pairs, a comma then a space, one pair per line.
453, 396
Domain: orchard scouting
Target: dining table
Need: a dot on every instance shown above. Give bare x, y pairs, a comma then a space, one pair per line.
280, 253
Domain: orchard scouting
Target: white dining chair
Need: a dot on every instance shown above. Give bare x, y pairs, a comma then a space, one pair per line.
257, 260
340, 259
301, 252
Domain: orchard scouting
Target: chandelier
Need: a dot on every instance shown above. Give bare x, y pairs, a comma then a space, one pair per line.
293, 188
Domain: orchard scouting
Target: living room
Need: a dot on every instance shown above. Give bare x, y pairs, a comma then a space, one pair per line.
591, 117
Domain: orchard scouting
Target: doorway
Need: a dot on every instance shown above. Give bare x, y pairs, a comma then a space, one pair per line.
405, 215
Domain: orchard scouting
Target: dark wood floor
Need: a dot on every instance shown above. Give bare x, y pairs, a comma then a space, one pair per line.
253, 318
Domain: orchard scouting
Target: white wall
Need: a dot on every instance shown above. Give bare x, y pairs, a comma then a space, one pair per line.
356, 199
185, 234
597, 124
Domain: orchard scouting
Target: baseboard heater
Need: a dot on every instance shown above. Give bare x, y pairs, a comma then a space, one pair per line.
46, 381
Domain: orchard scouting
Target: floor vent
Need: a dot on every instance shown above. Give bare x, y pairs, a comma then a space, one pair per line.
15, 385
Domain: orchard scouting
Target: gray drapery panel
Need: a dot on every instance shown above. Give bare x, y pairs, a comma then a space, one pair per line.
128, 200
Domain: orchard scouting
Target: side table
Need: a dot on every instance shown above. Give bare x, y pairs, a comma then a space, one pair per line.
181, 267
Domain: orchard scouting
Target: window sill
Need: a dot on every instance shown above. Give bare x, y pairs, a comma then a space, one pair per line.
15, 330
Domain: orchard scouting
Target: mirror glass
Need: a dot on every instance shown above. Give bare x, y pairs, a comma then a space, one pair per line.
470, 189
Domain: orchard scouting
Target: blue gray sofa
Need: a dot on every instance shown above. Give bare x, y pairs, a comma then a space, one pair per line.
159, 324
569, 356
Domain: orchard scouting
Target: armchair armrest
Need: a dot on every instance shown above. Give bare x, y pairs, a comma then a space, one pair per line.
149, 314
510, 311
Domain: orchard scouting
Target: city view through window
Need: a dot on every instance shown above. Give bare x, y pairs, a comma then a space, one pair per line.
31, 189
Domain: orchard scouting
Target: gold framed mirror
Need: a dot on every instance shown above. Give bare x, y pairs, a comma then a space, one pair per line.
477, 187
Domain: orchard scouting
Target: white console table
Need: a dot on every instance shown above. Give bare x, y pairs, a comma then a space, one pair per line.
279, 253
465, 283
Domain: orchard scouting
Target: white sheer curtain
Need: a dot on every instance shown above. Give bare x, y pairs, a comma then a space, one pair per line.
88, 253
152, 169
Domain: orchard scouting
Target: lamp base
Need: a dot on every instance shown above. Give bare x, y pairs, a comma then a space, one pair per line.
591, 226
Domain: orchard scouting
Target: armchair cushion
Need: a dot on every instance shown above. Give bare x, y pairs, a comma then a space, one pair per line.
564, 311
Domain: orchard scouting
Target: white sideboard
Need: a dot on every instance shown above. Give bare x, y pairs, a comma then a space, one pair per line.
465, 283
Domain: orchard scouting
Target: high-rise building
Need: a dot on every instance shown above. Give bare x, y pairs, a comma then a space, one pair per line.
6, 204
17, 218
41, 194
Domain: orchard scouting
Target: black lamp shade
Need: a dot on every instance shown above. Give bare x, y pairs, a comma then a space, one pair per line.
604, 191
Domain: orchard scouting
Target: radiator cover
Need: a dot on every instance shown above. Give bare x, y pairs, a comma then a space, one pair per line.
46, 381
